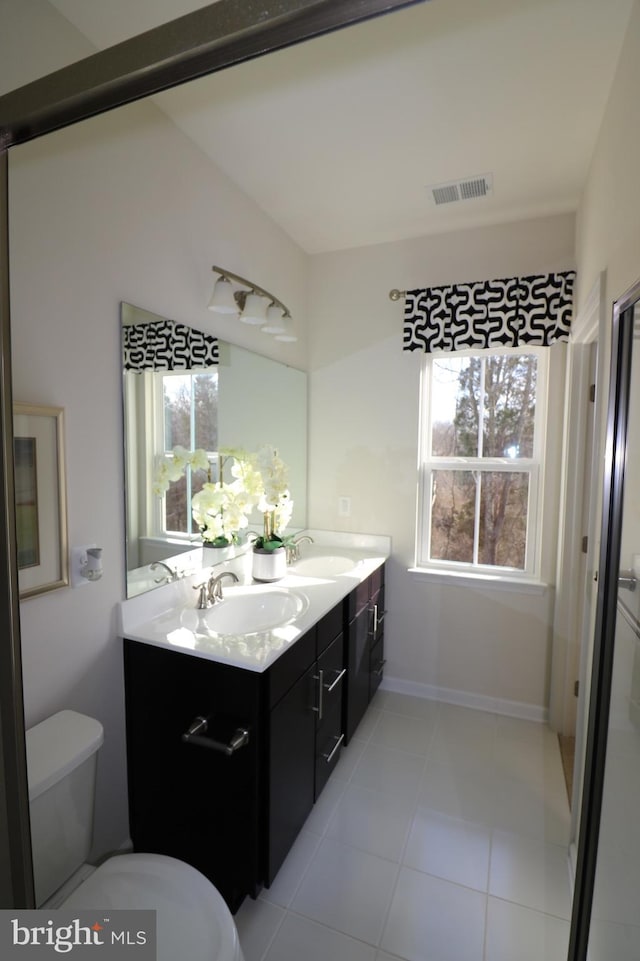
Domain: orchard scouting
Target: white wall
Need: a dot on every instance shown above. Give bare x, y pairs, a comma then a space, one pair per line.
122, 207
484, 647
608, 221
608, 234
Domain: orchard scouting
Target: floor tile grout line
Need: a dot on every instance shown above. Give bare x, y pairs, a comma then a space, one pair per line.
383, 926
528, 907
494, 828
352, 937
304, 873
274, 935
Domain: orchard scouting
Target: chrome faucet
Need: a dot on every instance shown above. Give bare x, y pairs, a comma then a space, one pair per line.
214, 587
171, 575
293, 547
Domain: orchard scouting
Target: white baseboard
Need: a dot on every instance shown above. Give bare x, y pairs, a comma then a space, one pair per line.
480, 702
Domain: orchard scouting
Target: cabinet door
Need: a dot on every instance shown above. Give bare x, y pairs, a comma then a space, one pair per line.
330, 676
358, 669
187, 800
291, 768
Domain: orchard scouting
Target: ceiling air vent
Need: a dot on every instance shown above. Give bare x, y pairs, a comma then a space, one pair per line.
468, 189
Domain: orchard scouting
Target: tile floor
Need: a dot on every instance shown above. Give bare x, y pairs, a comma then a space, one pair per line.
441, 836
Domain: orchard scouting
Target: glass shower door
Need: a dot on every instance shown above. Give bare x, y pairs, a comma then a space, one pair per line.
606, 916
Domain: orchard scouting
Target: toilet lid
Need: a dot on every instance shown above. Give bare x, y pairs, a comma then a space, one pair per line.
192, 918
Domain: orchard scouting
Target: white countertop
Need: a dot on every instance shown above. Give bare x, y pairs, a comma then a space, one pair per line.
168, 617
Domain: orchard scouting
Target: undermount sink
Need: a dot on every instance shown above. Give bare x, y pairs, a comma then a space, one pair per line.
324, 565
254, 610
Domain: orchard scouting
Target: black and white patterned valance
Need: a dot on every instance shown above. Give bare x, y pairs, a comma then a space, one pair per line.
166, 345
513, 312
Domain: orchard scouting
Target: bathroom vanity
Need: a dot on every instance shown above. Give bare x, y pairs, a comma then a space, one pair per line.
231, 738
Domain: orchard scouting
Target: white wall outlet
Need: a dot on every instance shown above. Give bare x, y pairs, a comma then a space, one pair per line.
344, 507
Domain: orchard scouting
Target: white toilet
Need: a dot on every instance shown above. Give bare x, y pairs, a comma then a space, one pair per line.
193, 920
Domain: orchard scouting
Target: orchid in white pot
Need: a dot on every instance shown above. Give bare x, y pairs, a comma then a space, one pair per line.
275, 502
220, 509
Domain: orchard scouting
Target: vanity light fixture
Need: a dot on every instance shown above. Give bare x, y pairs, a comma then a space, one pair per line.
253, 305
275, 320
222, 299
287, 335
254, 310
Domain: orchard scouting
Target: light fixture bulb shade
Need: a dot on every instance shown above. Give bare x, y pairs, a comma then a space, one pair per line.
255, 307
222, 299
288, 335
275, 320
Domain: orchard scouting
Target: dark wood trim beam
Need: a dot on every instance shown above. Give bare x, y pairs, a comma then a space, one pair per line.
16, 872
200, 43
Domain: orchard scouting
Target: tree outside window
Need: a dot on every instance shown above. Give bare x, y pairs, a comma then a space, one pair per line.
481, 466
190, 419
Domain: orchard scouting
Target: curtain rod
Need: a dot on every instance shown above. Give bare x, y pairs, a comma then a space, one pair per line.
397, 294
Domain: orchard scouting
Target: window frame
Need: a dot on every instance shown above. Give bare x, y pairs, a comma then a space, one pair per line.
534, 466
158, 514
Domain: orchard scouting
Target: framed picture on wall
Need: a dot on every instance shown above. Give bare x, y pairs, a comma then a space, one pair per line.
41, 500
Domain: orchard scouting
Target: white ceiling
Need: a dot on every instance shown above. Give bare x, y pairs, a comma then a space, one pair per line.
337, 139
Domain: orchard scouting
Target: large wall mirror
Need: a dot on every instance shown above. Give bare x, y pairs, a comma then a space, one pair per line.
183, 387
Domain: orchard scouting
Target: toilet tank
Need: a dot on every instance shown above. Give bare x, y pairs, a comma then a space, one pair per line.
61, 767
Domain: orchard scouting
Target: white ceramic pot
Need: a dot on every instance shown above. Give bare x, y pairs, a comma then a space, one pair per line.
215, 555
269, 565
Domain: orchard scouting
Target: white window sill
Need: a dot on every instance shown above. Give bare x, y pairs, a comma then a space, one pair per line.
494, 582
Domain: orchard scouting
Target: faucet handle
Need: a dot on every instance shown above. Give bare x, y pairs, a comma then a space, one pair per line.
204, 599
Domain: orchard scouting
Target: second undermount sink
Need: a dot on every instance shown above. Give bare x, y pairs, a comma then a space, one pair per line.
324, 565
254, 610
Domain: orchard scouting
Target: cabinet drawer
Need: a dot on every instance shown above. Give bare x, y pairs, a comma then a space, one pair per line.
376, 624
290, 666
328, 628
329, 747
357, 600
331, 676
376, 580
376, 666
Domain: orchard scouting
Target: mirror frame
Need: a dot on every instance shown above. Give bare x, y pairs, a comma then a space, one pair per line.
210, 39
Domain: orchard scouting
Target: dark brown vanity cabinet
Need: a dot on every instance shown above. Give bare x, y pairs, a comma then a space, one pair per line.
364, 647
231, 797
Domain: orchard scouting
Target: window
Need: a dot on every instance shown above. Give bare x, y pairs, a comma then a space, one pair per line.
187, 415
482, 443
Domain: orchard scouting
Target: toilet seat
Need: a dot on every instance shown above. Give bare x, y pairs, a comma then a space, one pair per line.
193, 920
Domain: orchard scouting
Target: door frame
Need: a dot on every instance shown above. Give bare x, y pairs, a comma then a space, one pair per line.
586, 330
